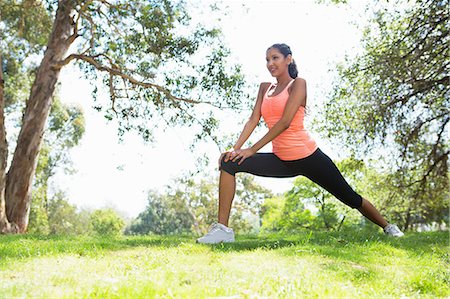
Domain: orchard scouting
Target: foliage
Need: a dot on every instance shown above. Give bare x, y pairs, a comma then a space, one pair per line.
65, 129
306, 192
65, 219
250, 195
154, 62
392, 102
332, 1
307, 205
106, 222
38, 221
311, 264
157, 66
271, 214
59, 217
190, 206
164, 214
409, 207
27, 26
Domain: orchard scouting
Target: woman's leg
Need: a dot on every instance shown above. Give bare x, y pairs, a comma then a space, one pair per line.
321, 170
371, 213
227, 189
261, 164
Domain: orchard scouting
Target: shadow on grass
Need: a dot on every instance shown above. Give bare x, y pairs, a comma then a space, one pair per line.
349, 245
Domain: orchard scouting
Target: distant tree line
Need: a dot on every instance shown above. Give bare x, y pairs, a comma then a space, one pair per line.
60, 217
189, 206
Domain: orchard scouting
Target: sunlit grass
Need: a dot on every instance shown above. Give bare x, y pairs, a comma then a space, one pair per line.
308, 265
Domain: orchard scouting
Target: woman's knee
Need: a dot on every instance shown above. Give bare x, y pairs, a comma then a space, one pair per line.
228, 166
354, 201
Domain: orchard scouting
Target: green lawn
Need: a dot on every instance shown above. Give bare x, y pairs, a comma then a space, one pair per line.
309, 265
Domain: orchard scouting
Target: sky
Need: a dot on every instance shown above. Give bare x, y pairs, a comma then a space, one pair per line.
119, 175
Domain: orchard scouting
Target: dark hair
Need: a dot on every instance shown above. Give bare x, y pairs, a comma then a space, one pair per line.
285, 50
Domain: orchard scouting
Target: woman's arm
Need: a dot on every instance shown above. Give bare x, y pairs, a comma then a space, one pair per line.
297, 98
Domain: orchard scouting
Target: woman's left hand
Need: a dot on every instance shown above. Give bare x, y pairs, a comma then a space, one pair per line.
242, 154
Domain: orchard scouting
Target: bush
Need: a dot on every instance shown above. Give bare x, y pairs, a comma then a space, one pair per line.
106, 222
65, 218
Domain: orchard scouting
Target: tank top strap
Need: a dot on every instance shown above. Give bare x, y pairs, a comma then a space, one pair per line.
289, 84
266, 94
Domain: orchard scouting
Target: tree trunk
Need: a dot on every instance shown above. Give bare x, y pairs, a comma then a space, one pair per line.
322, 208
5, 225
20, 175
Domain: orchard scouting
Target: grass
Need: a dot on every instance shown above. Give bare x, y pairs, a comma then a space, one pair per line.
309, 265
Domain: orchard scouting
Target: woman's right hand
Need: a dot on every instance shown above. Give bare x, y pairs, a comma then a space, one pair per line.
226, 156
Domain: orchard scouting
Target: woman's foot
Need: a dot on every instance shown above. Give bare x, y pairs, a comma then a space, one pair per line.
393, 230
218, 233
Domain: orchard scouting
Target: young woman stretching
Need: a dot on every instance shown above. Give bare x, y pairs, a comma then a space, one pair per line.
282, 105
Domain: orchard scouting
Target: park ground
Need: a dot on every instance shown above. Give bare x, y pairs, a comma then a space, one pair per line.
352, 264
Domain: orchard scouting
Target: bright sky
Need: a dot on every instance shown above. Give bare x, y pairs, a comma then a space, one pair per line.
119, 175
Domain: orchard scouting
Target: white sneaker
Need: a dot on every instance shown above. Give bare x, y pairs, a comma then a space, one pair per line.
393, 230
218, 233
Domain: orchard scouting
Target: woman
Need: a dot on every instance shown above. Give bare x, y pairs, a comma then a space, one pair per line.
282, 105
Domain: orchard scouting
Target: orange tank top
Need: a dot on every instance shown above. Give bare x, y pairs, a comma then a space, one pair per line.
295, 142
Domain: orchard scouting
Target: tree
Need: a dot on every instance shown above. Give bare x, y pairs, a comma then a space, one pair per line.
271, 214
151, 59
164, 215
65, 218
107, 222
64, 131
307, 205
286, 214
392, 101
202, 198
190, 206
250, 196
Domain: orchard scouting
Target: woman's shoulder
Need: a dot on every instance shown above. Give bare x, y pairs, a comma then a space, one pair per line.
264, 85
299, 81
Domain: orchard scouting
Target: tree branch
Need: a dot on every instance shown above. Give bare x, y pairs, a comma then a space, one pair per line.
442, 157
416, 129
441, 132
110, 23
424, 86
117, 72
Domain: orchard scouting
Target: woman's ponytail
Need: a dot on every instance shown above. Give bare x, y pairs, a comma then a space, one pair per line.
292, 68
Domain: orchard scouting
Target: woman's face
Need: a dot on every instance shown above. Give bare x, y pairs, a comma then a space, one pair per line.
277, 64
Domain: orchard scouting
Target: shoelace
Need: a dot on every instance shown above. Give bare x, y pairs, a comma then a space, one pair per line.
392, 229
214, 227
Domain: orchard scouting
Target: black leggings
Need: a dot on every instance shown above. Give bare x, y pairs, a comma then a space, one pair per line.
317, 167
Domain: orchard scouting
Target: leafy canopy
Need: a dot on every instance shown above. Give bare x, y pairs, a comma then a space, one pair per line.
392, 100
